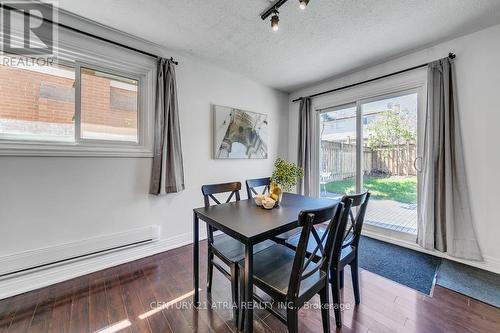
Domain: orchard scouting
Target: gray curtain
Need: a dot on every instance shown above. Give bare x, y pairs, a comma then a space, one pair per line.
306, 121
445, 219
167, 175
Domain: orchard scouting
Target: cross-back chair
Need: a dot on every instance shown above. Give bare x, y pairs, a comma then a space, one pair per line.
262, 185
253, 186
229, 250
291, 278
348, 254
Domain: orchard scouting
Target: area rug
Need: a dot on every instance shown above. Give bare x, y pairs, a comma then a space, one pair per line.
411, 268
470, 281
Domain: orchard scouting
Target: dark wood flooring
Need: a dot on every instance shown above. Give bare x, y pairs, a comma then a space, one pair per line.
120, 299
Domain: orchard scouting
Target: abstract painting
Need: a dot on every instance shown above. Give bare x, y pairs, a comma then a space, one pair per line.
239, 134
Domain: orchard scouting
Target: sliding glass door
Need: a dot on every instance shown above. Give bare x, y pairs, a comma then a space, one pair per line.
371, 144
338, 161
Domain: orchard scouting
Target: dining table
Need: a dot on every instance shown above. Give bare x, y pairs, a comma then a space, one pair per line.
250, 224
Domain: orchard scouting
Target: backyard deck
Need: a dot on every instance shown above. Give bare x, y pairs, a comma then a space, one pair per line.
388, 214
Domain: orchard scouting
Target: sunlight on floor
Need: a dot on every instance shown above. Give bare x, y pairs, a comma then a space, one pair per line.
115, 327
165, 305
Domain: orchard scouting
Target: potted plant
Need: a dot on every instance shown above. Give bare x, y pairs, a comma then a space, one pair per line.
284, 178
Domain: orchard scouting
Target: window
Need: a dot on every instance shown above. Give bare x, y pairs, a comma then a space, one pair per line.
37, 103
108, 106
97, 99
382, 157
378, 150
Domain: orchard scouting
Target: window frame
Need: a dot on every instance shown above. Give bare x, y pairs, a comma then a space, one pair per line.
78, 106
11, 140
399, 85
392, 86
77, 51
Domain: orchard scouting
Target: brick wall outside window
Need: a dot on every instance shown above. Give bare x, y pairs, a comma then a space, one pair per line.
20, 97
38, 97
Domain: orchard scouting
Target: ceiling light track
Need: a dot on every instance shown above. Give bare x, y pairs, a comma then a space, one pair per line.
274, 7
273, 10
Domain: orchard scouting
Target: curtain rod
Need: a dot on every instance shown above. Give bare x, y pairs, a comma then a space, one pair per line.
450, 55
88, 34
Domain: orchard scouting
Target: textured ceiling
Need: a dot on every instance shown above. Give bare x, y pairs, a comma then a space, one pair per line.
330, 37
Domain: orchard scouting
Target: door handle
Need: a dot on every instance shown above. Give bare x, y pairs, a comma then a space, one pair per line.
415, 163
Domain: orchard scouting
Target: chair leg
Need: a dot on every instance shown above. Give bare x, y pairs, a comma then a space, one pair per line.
210, 270
341, 279
335, 282
292, 320
235, 291
325, 313
355, 280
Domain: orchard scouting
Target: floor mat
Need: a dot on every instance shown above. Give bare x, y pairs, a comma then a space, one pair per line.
414, 269
470, 281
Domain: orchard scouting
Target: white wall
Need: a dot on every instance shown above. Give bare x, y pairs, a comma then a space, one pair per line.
47, 201
478, 77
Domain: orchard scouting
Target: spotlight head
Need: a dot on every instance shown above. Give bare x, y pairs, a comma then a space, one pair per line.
303, 4
275, 19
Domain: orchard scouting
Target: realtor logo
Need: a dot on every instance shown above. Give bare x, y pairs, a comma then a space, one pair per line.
28, 29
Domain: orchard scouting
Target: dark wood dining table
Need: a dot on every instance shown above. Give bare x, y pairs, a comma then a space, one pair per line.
250, 224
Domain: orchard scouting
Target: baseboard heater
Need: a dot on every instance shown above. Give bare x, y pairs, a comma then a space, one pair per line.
38, 258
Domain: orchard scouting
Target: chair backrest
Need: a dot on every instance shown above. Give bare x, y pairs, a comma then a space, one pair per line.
252, 184
209, 190
353, 233
304, 264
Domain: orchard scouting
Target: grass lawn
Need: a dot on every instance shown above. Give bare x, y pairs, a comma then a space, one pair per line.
401, 189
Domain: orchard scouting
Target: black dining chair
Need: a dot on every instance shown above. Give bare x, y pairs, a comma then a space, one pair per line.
253, 186
349, 254
229, 250
291, 278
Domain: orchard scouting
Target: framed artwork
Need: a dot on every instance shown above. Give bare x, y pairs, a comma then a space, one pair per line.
239, 134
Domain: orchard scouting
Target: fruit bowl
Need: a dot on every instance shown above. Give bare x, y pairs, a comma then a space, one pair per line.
268, 203
258, 199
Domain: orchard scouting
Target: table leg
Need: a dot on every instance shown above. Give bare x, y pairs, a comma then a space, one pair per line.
248, 300
196, 260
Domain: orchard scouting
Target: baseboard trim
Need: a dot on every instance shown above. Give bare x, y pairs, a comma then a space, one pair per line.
32, 259
490, 264
38, 278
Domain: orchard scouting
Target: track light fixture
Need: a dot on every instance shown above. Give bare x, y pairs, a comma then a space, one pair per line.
273, 11
275, 19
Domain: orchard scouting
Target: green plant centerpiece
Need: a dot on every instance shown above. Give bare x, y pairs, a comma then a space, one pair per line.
284, 178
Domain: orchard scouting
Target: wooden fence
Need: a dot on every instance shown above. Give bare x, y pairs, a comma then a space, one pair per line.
339, 160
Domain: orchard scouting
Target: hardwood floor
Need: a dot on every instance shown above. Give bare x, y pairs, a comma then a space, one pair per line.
126, 299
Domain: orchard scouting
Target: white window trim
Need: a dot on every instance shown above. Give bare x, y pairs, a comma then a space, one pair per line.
77, 50
141, 120
415, 80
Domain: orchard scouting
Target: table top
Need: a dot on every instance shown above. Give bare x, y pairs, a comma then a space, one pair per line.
247, 222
